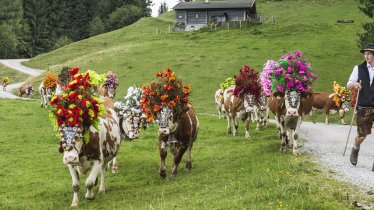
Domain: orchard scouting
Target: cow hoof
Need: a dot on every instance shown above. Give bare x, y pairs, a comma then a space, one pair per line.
296, 152
163, 174
174, 173
188, 165
115, 170
101, 191
90, 195
74, 205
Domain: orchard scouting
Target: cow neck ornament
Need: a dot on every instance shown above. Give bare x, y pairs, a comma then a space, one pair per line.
168, 91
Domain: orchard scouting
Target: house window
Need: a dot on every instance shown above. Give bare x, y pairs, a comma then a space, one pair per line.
197, 15
180, 16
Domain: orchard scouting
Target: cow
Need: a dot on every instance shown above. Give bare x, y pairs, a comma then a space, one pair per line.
45, 94
218, 97
237, 107
26, 89
179, 131
107, 91
324, 100
289, 108
261, 111
102, 147
5, 82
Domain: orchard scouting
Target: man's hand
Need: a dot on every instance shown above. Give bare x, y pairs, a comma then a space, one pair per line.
355, 86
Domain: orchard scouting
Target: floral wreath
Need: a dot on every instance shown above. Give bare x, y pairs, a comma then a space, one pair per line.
247, 83
167, 90
111, 80
6, 80
50, 81
227, 83
76, 106
291, 73
64, 77
131, 101
341, 94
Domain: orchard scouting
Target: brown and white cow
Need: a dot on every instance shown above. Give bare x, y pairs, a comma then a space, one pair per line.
324, 101
95, 155
261, 111
237, 108
26, 89
218, 98
289, 109
179, 132
45, 95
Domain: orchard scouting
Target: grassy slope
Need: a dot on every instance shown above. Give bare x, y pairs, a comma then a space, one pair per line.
228, 173
205, 59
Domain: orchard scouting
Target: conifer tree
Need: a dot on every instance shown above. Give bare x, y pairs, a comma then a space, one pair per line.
368, 36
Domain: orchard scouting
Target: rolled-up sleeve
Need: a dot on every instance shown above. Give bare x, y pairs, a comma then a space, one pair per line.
354, 76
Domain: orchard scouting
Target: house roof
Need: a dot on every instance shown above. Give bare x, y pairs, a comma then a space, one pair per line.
214, 5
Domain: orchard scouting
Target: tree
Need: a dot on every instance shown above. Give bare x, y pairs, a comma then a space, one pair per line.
124, 16
163, 8
96, 26
62, 41
367, 37
8, 41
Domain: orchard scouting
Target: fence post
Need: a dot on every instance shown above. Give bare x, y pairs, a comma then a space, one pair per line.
228, 25
273, 19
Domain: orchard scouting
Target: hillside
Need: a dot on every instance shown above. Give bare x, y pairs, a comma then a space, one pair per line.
205, 59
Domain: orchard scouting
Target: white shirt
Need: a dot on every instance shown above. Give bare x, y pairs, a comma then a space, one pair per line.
354, 75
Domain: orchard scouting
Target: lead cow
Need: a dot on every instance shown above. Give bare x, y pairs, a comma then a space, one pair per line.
289, 108
179, 132
101, 149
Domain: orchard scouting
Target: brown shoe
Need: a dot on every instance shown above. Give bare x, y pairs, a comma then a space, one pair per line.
354, 156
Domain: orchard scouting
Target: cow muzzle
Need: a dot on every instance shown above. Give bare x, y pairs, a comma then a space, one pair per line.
164, 131
292, 113
71, 158
133, 135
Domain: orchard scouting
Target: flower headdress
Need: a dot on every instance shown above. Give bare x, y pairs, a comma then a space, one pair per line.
341, 94
111, 80
6, 80
247, 83
291, 72
64, 76
76, 106
167, 90
227, 83
131, 100
50, 81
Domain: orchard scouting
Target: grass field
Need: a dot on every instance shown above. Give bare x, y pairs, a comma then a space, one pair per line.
228, 172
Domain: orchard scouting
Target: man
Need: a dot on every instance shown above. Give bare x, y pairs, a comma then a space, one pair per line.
365, 104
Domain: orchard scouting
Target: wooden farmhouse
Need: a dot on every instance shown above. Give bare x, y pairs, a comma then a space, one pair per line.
195, 15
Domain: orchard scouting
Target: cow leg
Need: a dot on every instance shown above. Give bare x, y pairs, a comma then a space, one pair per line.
228, 124
235, 125
41, 100
90, 181
75, 181
246, 126
113, 164
341, 115
189, 158
283, 135
219, 112
163, 154
102, 179
178, 158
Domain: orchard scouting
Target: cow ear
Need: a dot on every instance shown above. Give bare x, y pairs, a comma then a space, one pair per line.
60, 149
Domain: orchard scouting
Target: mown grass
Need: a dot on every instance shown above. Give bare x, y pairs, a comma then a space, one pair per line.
228, 172
14, 76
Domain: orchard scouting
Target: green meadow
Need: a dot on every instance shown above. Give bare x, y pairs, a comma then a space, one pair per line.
228, 172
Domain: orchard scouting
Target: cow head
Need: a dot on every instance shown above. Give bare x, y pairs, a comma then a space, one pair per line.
29, 88
71, 142
292, 102
262, 102
345, 105
167, 121
111, 91
49, 93
249, 102
130, 121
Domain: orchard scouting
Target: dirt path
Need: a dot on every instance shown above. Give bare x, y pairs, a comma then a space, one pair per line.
16, 65
327, 142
